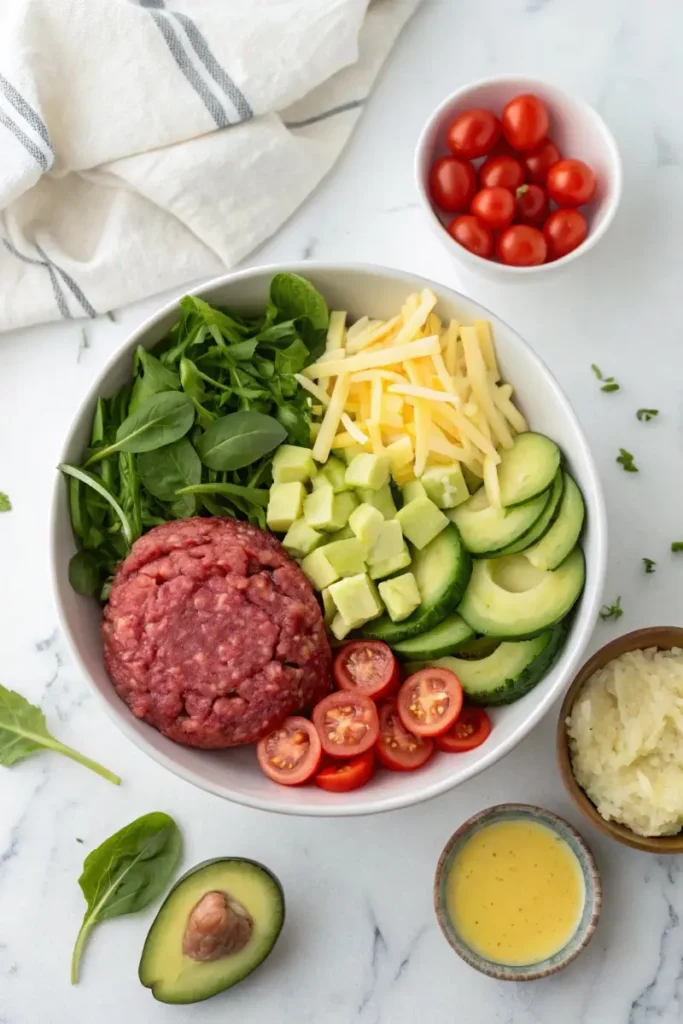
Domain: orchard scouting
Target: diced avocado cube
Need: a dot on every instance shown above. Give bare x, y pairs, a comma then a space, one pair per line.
400, 595
319, 481
301, 539
388, 544
291, 464
473, 481
285, 504
329, 607
325, 510
402, 477
344, 534
367, 470
421, 521
342, 507
366, 521
412, 491
445, 485
391, 565
339, 628
346, 556
400, 453
319, 571
382, 500
349, 453
357, 599
335, 471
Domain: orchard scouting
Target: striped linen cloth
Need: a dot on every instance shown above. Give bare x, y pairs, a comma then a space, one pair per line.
144, 143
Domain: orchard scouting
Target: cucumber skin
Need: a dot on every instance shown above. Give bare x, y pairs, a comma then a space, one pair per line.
519, 546
512, 690
435, 652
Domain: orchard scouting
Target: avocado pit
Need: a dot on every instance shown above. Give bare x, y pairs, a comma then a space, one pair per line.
218, 925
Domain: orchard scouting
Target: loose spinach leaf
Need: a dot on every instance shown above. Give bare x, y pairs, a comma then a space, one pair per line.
5, 503
92, 481
126, 873
164, 471
239, 440
157, 421
84, 573
293, 296
23, 731
151, 377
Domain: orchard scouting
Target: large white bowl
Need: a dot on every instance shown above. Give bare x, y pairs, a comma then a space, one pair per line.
235, 774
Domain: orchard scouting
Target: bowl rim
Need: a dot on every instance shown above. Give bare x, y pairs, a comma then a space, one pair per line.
521, 972
422, 793
637, 639
587, 111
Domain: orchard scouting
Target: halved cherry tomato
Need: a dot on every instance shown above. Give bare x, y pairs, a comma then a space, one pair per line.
539, 161
473, 133
429, 701
504, 170
494, 207
564, 231
531, 205
525, 122
367, 667
290, 754
343, 776
347, 723
452, 183
471, 729
571, 183
521, 246
398, 749
472, 234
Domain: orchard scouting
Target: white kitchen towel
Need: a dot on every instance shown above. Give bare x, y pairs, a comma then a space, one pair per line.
144, 143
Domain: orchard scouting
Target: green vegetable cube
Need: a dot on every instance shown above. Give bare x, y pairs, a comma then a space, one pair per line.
388, 544
367, 470
400, 454
335, 471
342, 507
421, 521
320, 481
348, 454
382, 500
291, 464
346, 556
413, 490
400, 595
445, 485
319, 571
357, 599
339, 628
389, 566
366, 523
346, 533
301, 539
284, 505
329, 607
325, 510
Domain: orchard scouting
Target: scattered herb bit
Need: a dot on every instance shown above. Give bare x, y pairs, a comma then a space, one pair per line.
23, 731
649, 565
645, 415
79, 840
126, 873
677, 545
110, 314
609, 384
597, 371
5, 503
83, 344
625, 459
612, 611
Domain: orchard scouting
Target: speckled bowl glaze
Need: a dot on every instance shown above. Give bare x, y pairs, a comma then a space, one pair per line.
591, 907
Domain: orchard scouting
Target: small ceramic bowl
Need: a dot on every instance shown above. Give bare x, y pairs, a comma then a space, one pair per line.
663, 637
592, 901
579, 132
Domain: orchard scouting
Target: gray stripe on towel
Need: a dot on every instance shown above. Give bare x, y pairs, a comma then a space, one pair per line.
27, 143
70, 283
26, 110
58, 293
219, 75
332, 112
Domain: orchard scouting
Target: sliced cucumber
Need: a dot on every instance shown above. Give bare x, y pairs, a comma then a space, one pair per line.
447, 637
442, 571
507, 674
485, 529
544, 521
527, 468
552, 549
508, 597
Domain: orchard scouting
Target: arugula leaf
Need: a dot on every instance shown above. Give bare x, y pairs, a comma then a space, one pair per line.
88, 478
5, 503
649, 565
251, 494
625, 459
612, 611
645, 415
126, 873
23, 731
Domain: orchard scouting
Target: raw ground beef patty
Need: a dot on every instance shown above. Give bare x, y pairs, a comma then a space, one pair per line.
212, 634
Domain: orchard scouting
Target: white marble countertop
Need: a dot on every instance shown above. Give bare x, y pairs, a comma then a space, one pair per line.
361, 942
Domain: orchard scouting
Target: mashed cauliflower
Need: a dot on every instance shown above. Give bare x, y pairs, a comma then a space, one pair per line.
626, 741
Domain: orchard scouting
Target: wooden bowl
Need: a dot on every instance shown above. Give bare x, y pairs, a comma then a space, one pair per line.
663, 637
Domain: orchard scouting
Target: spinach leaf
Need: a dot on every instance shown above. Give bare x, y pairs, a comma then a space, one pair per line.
157, 421
126, 873
92, 481
166, 470
23, 731
291, 359
84, 573
294, 296
239, 439
250, 494
151, 377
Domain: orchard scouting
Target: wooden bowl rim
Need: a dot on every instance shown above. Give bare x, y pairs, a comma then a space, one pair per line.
662, 637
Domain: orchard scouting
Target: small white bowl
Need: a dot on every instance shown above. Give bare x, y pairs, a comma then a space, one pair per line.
235, 774
579, 132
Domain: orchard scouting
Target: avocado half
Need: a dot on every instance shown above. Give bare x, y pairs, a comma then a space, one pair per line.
217, 924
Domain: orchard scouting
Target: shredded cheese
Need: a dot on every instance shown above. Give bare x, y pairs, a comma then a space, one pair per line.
369, 360
331, 419
335, 331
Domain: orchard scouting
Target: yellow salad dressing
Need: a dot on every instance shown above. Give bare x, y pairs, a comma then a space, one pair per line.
515, 892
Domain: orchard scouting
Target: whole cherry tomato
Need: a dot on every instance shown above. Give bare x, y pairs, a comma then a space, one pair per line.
525, 122
494, 207
504, 170
531, 205
521, 246
571, 183
473, 133
472, 235
539, 161
564, 231
452, 183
